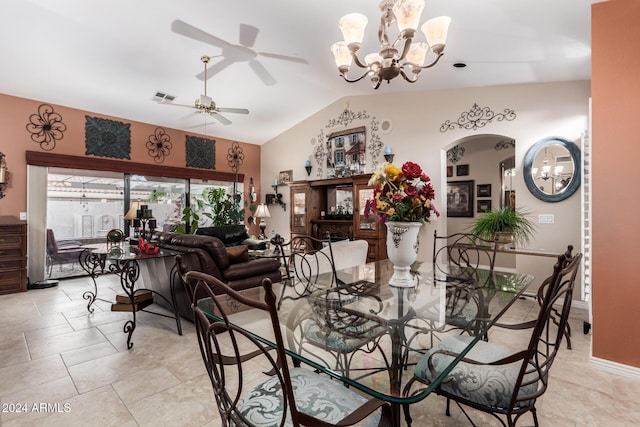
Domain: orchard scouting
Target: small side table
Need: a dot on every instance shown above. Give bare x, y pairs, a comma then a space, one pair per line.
125, 264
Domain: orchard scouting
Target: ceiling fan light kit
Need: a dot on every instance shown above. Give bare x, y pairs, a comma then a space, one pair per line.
205, 104
390, 62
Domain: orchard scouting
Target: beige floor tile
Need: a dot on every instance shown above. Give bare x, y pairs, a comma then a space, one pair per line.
25, 375
49, 392
155, 380
188, 404
90, 352
46, 346
100, 407
109, 369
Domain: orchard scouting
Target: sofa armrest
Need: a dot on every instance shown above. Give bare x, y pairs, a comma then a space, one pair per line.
255, 267
238, 254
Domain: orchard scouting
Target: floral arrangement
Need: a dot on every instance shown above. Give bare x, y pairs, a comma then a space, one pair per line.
401, 194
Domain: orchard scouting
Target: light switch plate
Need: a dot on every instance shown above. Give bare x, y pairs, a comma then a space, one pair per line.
23, 216
545, 219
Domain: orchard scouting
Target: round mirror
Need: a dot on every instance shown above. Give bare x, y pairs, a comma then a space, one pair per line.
552, 169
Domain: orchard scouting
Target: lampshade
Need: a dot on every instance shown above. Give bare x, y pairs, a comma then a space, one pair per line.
341, 54
417, 53
131, 213
262, 211
435, 30
408, 13
352, 27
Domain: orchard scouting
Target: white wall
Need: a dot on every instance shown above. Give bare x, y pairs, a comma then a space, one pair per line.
542, 110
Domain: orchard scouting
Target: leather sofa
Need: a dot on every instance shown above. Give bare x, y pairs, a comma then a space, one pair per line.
232, 235
207, 254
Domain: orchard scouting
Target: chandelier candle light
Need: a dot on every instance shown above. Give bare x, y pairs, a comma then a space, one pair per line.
390, 62
402, 200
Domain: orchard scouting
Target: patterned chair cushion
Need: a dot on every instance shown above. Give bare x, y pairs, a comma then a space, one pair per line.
486, 385
344, 342
314, 394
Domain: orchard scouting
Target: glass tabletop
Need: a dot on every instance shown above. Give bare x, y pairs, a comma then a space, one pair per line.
369, 334
125, 252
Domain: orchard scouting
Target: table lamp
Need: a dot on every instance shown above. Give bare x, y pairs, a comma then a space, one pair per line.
262, 212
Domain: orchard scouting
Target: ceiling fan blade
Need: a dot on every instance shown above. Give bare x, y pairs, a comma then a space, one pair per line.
222, 119
215, 69
188, 30
248, 35
262, 72
284, 57
233, 110
175, 105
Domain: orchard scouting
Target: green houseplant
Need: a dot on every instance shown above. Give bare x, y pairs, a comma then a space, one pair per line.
508, 224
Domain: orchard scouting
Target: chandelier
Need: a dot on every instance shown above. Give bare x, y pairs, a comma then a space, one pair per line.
547, 171
403, 56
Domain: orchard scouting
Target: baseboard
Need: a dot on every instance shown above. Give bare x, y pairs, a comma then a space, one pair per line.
615, 368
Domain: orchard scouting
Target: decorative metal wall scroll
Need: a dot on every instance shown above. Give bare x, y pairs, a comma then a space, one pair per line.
46, 127
346, 118
505, 145
455, 154
201, 152
107, 138
477, 117
159, 145
235, 157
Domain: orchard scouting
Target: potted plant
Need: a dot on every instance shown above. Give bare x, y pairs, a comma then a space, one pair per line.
507, 224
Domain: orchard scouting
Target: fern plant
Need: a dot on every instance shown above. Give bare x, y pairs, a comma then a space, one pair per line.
505, 220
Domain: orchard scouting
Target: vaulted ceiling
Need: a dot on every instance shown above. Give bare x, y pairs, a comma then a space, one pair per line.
271, 57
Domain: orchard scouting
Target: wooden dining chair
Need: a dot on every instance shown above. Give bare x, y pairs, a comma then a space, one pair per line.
252, 382
493, 378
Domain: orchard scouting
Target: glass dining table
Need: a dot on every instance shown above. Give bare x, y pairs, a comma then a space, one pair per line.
359, 330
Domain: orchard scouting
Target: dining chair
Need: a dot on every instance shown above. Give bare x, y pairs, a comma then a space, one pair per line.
305, 258
493, 378
252, 382
61, 253
464, 250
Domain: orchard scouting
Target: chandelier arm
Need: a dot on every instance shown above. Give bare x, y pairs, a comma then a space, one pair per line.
405, 50
435, 61
386, 18
344, 76
406, 77
357, 60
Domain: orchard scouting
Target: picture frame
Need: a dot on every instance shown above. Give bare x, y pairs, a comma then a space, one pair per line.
483, 190
462, 170
285, 177
460, 200
484, 206
449, 171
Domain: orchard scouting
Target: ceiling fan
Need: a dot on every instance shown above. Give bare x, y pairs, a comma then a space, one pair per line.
233, 53
205, 105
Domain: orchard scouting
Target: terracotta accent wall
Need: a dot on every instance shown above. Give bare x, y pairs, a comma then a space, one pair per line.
615, 89
15, 141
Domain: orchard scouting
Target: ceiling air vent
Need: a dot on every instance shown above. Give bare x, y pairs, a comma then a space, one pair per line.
163, 97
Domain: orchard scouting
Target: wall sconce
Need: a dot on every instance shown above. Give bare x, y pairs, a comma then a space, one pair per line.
387, 154
276, 198
4, 175
252, 191
307, 166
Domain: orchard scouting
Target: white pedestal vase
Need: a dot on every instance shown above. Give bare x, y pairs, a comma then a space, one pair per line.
402, 250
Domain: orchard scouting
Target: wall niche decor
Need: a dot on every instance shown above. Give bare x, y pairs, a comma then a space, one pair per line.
46, 127
201, 152
159, 145
477, 117
107, 138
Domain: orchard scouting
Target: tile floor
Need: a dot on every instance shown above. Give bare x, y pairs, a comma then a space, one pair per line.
61, 366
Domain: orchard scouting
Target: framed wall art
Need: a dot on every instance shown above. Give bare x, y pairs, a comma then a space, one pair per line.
285, 177
484, 190
462, 170
484, 206
460, 198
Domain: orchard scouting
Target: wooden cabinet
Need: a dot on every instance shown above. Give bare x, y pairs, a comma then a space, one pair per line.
335, 208
13, 255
